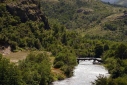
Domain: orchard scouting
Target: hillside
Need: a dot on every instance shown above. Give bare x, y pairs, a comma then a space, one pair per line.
16, 21
88, 17
24, 24
117, 2
78, 13
112, 27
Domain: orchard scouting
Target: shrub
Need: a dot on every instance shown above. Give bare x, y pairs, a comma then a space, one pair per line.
59, 64
101, 80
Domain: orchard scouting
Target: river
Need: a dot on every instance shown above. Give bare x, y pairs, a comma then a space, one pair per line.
84, 73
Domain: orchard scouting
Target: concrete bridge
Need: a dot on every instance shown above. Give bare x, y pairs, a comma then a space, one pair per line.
90, 58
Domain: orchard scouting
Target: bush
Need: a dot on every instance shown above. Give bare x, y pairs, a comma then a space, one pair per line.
60, 77
121, 81
36, 69
9, 73
101, 80
59, 64
110, 26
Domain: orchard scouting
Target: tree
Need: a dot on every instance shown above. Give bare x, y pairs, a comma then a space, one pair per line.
9, 73
98, 50
65, 60
106, 47
121, 51
64, 39
36, 69
110, 26
38, 44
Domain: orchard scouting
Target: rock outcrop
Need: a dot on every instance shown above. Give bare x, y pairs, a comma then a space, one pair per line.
4, 48
27, 10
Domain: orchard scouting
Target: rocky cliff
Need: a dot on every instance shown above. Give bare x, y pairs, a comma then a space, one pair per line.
27, 10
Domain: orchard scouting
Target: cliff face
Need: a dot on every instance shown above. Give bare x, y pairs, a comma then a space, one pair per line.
27, 10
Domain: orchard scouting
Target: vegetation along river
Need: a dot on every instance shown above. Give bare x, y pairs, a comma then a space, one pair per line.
84, 73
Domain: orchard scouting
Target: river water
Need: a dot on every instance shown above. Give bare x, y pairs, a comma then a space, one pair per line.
84, 73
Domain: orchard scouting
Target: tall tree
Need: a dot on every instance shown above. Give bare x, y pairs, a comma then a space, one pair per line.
98, 50
121, 51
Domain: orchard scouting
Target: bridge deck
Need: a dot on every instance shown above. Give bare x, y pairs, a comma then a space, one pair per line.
89, 58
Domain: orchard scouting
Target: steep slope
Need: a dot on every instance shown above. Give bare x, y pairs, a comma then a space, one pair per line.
78, 13
116, 2
18, 22
27, 10
122, 2
112, 28
86, 16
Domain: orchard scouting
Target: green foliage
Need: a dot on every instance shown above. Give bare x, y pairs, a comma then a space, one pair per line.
9, 73
98, 50
2, 9
121, 52
106, 47
66, 60
38, 44
76, 13
101, 80
115, 62
110, 26
36, 69
121, 81
58, 64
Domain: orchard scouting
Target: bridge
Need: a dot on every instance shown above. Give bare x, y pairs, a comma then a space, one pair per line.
90, 58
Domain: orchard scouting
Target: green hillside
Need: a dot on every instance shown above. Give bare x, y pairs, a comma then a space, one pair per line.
88, 15
78, 13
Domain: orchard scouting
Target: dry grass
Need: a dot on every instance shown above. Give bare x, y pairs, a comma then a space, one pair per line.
16, 56
112, 17
52, 59
56, 71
